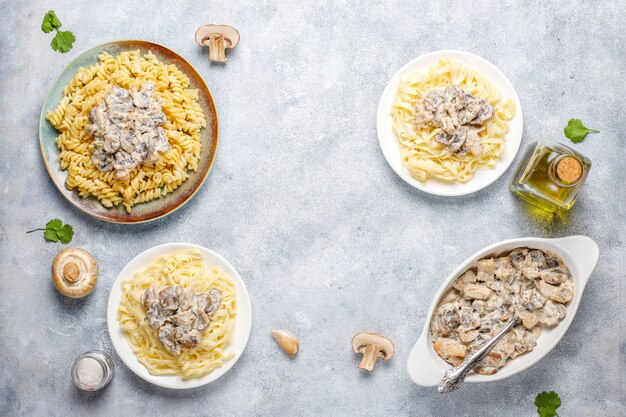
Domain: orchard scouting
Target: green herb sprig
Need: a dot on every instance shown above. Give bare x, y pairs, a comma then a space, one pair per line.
56, 231
576, 131
63, 40
547, 403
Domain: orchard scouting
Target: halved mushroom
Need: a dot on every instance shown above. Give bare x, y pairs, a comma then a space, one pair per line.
74, 272
372, 346
217, 38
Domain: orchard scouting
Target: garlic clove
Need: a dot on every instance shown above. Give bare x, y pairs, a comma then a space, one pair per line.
287, 340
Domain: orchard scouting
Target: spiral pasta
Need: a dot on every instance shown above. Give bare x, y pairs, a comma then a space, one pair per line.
184, 268
426, 158
185, 119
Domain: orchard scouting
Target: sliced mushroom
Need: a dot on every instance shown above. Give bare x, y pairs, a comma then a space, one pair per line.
556, 275
372, 346
454, 97
536, 259
561, 294
433, 100
443, 139
218, 38
468, 336
470, 318
287, 340
485, 114
458, 138
165, 335
447, 317
74, 272
473, 106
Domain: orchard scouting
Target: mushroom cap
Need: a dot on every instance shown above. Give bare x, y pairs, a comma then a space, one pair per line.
231, 35
74, 272
361, 340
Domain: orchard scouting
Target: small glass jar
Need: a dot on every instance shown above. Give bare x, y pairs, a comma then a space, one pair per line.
92, 370
551, 175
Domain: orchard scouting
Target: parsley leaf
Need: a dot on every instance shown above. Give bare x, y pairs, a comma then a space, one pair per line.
54, 224
50, 22
547, 403
63, 41
576, 131
546, 412
56, 231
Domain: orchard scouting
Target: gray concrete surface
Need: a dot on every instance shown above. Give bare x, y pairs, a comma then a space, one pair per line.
328, 239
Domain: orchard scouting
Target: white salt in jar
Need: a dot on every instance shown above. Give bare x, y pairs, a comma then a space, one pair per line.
92, 370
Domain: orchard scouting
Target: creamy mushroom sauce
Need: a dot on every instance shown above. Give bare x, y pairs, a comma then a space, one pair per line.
459, 114
126, 127
179, 315
532, 284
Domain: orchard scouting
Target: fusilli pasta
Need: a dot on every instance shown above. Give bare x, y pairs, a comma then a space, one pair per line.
185, 119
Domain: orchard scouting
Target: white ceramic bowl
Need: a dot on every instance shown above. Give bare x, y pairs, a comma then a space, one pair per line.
580, 255
391, 146
243, 320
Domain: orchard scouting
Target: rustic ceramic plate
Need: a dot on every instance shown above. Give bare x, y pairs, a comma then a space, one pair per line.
145, 211
391, 146
241, 332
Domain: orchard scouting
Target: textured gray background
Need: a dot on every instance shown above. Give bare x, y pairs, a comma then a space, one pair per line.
328, 239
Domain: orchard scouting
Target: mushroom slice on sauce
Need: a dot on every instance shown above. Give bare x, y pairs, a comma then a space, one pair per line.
556, 275
433, 100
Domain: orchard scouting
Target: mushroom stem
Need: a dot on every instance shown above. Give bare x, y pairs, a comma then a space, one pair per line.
217, 48
71, 272
369, 357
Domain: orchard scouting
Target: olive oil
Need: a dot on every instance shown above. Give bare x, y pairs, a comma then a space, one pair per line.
550, 176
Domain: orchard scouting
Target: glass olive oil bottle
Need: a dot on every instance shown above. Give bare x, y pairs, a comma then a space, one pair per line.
550, 176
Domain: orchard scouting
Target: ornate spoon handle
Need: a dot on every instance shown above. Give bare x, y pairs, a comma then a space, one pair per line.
453, 378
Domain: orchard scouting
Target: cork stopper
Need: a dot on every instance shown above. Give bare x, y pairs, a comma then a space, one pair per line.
71, 272
569, 169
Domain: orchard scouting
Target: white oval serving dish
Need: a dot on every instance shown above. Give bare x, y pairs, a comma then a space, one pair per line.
579, 253
391, 146
243, 321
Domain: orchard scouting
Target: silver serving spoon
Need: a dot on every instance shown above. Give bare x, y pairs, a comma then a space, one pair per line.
453, 378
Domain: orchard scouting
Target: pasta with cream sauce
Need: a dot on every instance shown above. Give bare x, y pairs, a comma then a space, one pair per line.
424, 156
184, 120
186, 269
